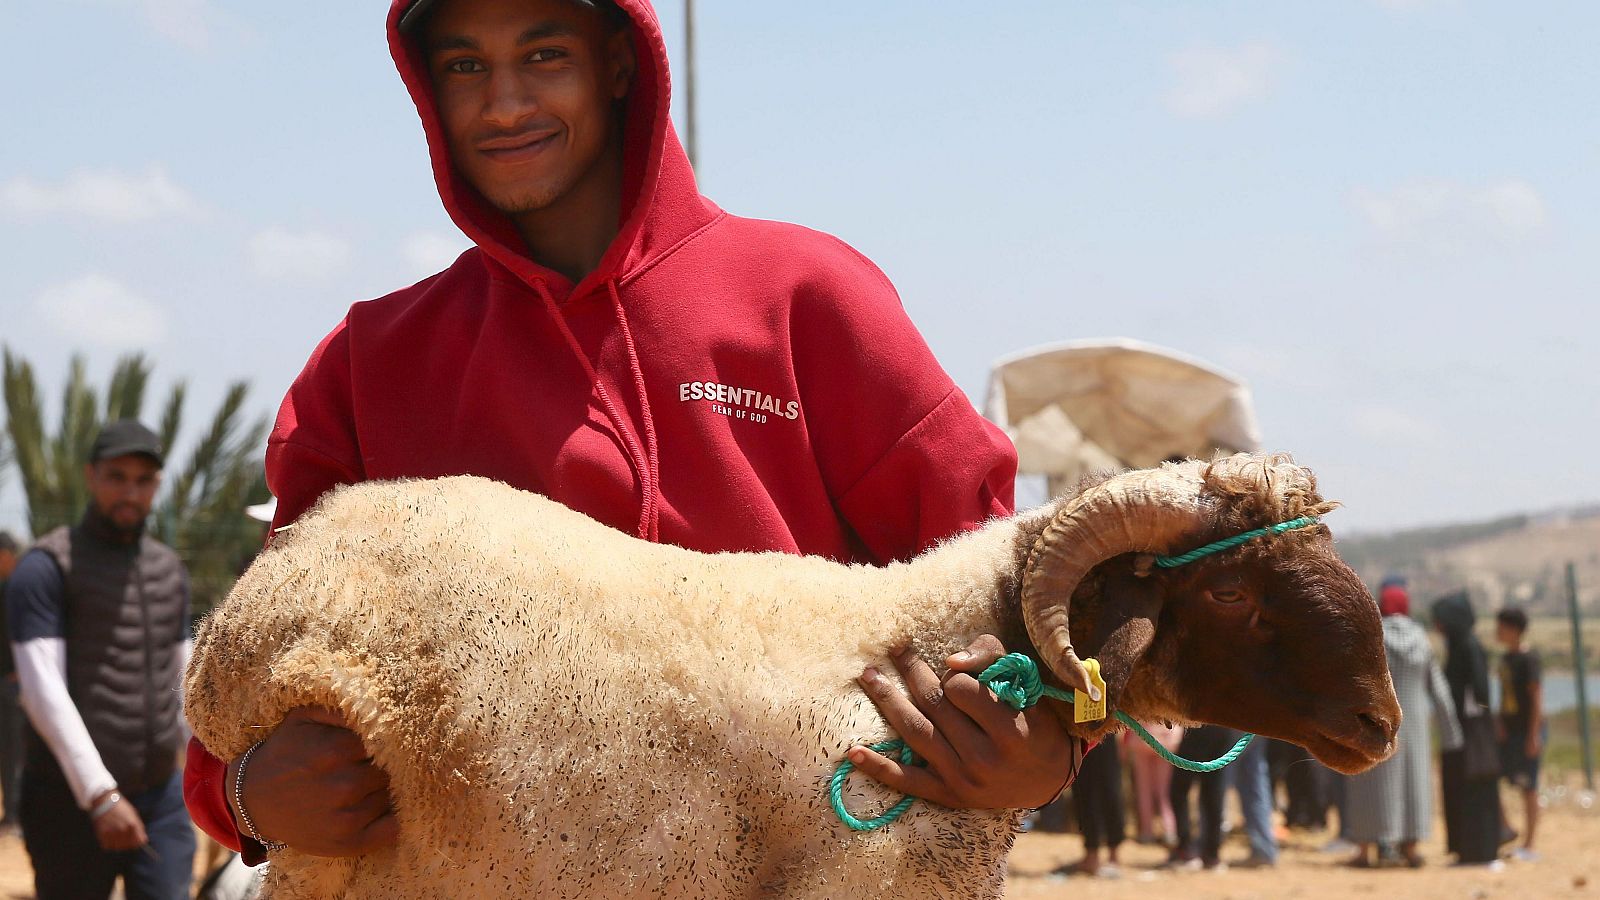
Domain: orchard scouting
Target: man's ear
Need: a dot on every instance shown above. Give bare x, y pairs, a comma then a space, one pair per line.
624, 64
1126, 626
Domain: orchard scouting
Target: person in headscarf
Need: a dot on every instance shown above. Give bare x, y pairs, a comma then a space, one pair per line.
1471, 799
1391, 805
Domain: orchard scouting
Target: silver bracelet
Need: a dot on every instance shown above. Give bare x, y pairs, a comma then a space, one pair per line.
104, 806
238, 804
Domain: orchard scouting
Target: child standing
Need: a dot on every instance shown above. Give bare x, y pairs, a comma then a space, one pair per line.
1520, 724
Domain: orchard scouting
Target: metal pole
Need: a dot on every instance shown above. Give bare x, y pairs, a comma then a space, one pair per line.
688, 84
1577, 663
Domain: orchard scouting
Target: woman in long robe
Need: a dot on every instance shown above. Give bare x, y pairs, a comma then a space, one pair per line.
1391, 805
1471, 805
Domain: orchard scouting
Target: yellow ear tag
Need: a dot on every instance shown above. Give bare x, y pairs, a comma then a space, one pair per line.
1090, 708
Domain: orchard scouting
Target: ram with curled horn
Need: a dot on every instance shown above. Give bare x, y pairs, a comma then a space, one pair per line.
566, 711
1274, 636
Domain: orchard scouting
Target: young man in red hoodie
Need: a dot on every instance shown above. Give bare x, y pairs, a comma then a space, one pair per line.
618, 343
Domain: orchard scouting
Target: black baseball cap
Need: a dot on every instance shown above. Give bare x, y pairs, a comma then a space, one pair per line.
127, 437
411, 18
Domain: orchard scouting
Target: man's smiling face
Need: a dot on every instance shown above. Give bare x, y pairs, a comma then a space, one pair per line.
527, 91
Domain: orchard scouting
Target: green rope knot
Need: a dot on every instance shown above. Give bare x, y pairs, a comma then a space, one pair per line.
1014, 678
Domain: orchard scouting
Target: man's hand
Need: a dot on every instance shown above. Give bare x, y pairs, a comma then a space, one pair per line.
119, 828
1533, 745
312, 786
981, 753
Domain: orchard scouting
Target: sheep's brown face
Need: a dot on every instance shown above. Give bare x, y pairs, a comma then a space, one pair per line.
1287, 645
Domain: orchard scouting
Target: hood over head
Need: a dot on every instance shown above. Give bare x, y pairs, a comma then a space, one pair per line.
1393, 600
1453, 613
1405, 641
660, 203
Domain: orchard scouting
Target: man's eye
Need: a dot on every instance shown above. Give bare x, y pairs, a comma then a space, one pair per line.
547, 54
463, 66
1227, 596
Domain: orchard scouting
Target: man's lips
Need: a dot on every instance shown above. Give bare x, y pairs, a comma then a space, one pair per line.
515, 148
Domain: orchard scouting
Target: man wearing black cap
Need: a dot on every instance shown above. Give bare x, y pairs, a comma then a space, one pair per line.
98, 616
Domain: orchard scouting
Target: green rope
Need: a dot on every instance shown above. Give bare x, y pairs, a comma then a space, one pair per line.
1172, 562
1014, 678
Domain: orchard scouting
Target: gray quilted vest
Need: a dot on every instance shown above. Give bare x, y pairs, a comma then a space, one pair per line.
124, 616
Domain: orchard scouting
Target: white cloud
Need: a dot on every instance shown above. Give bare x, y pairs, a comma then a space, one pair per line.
188, 23
1438, 214
427, 252
297, 256
1215, 81
101, 311
184, 22
98, 194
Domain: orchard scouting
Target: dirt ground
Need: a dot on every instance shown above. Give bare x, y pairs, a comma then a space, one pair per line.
1569, 866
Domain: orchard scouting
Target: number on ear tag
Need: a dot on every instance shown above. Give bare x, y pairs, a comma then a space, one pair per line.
1090, 707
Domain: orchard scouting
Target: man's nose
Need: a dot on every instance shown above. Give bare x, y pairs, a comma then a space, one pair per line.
510, 100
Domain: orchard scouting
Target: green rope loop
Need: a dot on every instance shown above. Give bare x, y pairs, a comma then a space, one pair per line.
1172, 562
1015, 679
836, 789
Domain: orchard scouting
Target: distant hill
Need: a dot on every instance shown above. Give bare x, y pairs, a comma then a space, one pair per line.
1519, 559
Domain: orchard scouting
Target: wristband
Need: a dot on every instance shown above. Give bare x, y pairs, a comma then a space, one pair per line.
104, 806
238, 804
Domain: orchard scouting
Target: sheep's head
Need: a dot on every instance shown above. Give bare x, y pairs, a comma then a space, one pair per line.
1277, 637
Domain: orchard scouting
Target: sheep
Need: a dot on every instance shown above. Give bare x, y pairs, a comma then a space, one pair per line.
565, 711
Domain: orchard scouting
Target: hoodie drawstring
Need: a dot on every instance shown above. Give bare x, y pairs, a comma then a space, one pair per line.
644, 461
650, 515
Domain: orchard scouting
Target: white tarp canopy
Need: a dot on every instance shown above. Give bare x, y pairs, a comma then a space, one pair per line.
1077, 408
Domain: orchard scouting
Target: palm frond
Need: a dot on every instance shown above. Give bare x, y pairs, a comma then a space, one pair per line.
32, 450
125, 396
172, 416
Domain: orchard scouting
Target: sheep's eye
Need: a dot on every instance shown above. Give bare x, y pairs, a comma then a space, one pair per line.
1227, 596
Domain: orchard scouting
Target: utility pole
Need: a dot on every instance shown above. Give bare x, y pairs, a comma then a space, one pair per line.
1577, 664
688, 84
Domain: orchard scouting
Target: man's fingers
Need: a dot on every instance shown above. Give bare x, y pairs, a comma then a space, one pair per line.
1000, 722
381, 832
913, 780
908, 721
928, 695
982, 653
335, 738
369, 808
318, 714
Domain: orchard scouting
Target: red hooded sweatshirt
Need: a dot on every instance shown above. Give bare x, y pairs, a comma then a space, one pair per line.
718, 383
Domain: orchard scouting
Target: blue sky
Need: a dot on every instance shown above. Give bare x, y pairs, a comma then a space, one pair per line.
1382, 213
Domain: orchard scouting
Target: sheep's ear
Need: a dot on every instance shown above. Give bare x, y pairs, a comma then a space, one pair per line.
1125, 627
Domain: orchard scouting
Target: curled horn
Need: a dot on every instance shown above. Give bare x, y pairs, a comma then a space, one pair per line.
1139, 512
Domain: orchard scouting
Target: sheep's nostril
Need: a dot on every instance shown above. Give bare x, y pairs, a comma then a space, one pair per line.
1377, 727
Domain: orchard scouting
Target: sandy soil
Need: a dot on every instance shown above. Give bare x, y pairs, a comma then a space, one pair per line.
1569, 866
